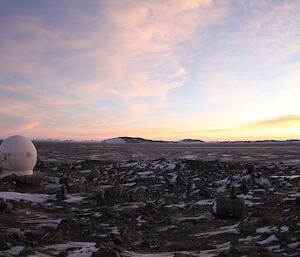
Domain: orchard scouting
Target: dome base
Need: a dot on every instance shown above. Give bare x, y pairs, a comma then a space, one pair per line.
5, 173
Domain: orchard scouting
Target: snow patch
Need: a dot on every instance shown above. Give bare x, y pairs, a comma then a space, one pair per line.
29, 197
233, 229
114, 141
270, 239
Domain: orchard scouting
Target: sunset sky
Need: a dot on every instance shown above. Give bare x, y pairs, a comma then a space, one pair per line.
161, 69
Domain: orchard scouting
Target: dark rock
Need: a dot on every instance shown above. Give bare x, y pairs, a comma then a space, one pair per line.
244, 187
247, 228
5, 207
26, 251
232, 207
94, 174
229, 208
61, 194
249, 250
106, 252
66, 181
3, 244
99, 196
63, 254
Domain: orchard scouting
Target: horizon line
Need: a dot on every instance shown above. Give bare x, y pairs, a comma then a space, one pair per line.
160, 140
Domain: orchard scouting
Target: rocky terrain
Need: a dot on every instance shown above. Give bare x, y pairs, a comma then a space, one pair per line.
157, 207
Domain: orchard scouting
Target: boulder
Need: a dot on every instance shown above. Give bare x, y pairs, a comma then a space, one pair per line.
229, 207
94, 174
106, 252
5, 207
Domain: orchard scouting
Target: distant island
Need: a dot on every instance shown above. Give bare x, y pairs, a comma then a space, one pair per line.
134, 140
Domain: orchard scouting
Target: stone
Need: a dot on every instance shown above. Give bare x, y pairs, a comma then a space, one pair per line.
106, 252
5, 207
26, 251
182, 255
61, 193
99, 196
244, 187
229, 207
63, 254
94, 174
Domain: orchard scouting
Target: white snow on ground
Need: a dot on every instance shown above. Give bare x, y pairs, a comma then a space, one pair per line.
284, 229
206, 253
165, 228
249, 239
171, 166
248, 197
115, 231
205, 216
222, 182
214, 207
173, 177
264, 182
129, 184
140, 220
53, 223
189, 157
175, 205
133, 254
291, 197
73, 198
29, 197
205, 202
268, 229
145, 174
286, 176
268, 240
215, 252
294, 245
80, 249
225, 245
13, 251
274, 247
88, 171
220, 185
114, 141
233, 229
295, 194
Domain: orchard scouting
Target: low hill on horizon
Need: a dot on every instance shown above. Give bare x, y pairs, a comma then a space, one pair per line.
124, 140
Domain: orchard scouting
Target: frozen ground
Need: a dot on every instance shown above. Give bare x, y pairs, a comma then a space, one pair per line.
204, 151
153, 200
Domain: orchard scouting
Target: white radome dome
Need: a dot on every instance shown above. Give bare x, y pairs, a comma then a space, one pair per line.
18, 155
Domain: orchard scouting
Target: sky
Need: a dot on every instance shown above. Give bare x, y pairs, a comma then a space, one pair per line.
171, 69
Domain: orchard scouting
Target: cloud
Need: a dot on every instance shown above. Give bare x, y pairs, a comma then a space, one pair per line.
139, 108
84, 68
281, 121
113, 51
286, 121
16, 123
251, 51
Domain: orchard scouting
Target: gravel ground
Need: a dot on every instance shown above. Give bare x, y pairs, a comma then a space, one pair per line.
138, 206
